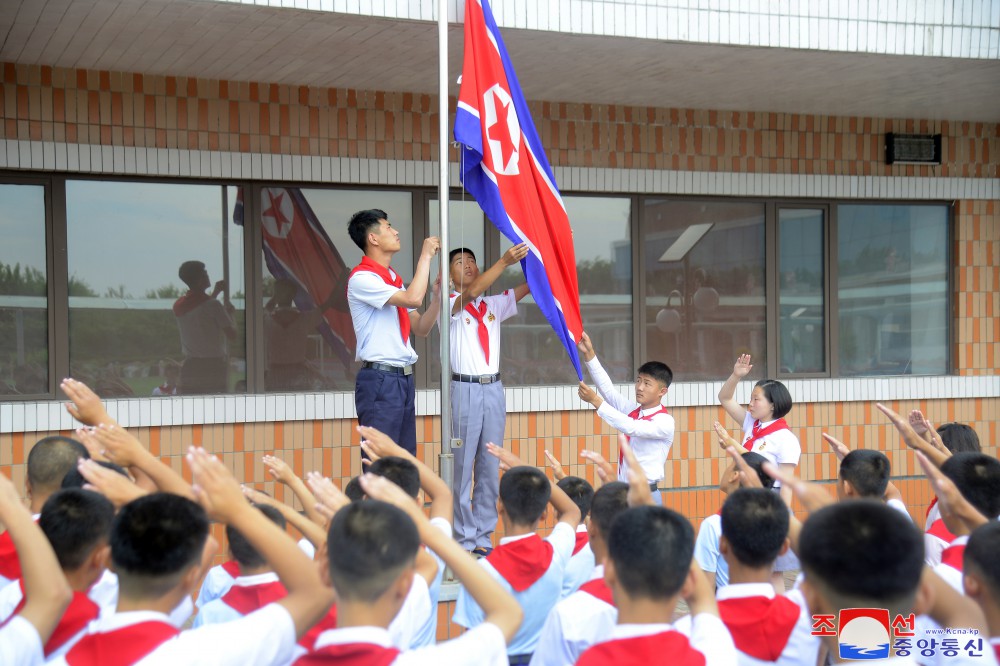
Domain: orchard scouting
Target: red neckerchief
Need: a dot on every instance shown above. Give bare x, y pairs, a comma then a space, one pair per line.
350, 654
929, 507
760, 626
598, 589
80, 612
383, 272
634, 414
582, 539
940, 530
10, 564
231, 567
952, 556
996, 650
759, 432
644, 650
120, 647
189, 302
522, 562
245, 599
484, 334
327, 622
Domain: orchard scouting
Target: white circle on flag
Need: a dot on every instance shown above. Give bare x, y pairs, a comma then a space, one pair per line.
277, 211
502, 130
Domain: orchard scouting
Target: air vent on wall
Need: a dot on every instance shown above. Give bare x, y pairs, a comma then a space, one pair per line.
912, 148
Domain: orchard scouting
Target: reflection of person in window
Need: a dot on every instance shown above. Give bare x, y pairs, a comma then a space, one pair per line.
205, 325
287, 330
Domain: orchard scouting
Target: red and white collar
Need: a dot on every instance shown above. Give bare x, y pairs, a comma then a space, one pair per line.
127, 619
651, 410
256, 579
621, 631
959, 541
597, 573
744, 590
511, 539
350, 635
582, 527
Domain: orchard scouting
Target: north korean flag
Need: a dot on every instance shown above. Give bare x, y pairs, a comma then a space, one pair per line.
296, 247
504, 167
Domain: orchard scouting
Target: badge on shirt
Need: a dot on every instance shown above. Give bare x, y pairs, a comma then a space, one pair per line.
491, 318
762, 445
468, 321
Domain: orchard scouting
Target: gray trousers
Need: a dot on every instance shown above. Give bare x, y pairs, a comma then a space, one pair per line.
478, 416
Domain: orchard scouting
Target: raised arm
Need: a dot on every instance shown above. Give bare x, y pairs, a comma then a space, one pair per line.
216, 489
413, 296
122, 448
379, 445
605, 388
841, 450
312, 532
912, 439
728, 391
499, 607
566, 510
46, 592
485, 280
638, 485
423, 322
85, 406
283, 473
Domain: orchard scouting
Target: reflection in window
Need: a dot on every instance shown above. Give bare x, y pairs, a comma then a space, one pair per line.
800, 296
136, 325
531, 351
24, 324
892, 289
308, 256
704, 296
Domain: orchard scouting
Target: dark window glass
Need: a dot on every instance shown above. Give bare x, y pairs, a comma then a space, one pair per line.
801, 263
24, 324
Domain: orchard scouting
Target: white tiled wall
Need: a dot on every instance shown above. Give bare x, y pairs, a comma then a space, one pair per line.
943, 28
118, 160
144, 412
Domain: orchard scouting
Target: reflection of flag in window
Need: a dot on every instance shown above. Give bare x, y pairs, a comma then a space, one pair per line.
297, 248
504, 167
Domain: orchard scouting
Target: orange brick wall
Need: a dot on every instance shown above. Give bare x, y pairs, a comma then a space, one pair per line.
976, 304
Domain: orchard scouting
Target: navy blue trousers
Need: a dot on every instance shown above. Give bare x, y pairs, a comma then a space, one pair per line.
385, 401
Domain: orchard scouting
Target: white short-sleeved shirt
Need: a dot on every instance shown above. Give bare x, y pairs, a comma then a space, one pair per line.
405, 627
376, 324
781, 447
576, 623
706, 550
262, 638
426, 634
536, 601
481, 646
706, 633
467, 356
218, 611
650, 439
580, 566
202, 330
216, 583
801, 647
20, 644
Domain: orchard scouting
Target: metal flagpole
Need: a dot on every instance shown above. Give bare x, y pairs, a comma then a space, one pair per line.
447, 458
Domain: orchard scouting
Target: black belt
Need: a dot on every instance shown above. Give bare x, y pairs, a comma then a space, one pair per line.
652, 486
385, 367
476, 379
518, 659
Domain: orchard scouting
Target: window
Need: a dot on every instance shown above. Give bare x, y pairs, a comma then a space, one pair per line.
704, 297
801, 311
136, 327
532, 354
308, 256
24, 323
892, 289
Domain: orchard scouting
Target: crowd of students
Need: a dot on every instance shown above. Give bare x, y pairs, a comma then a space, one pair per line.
102, 566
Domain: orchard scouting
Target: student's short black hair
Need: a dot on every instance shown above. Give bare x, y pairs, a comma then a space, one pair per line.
981, 555
868, 471
190, 271
400, 471
977, 477
74, 479
353, 489
460, 250
660, 372
76, 521
244, 553
959, 438
609, 501
863, 554
50, 459
777, 394
154, 540
525, 492
756, 462
361, 225
580, 491
651, 548
755, 523
371, 544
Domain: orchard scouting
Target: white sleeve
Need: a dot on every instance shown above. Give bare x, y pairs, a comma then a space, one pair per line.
552, 649
467, 614
370, 289
563, 540
606, 388
504, 305
899, 506
414, 612
20, 644
10, 597
481, 646
660, 426
273, 640
706, 546
790, 450
711, 637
